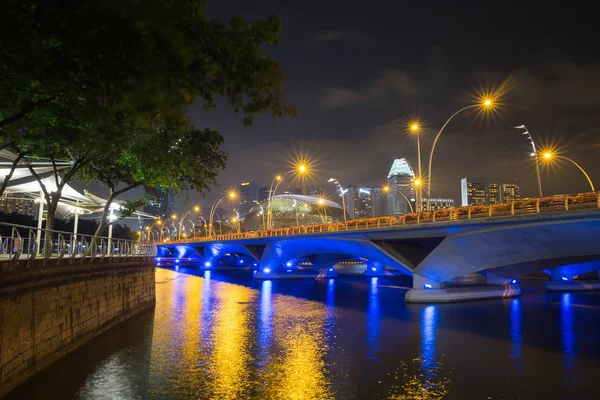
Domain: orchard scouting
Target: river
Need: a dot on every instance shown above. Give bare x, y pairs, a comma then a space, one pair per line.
218, 335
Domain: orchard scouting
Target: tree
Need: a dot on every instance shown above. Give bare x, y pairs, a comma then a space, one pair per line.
82, 80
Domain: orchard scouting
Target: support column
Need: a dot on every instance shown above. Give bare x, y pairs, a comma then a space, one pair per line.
562, 279
75, 227
38, 239
426, 290
110, 229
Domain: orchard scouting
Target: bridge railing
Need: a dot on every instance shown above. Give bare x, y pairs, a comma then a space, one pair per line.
563, 202
20, 242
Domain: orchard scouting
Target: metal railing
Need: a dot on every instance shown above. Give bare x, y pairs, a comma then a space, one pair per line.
20, 242
564, 202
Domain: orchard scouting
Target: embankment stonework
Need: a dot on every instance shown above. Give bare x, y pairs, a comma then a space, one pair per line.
47, 312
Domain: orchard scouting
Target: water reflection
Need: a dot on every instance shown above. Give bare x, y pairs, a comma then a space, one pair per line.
373, 321
265, 328
428, 327
567, 336
297, 367
229, 367
516, 335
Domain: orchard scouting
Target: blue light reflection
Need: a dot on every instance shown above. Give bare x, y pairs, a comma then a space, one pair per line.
516, 334
429, 317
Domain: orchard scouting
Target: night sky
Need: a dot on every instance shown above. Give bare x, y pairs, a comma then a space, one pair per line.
357, 71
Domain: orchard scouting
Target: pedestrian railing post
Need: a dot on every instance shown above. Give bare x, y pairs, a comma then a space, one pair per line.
512, 208
469, 212
537, 205
566, 202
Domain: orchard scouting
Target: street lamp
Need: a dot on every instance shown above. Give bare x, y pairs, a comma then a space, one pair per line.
262, 213
157, 222
300, 169
231, 195
333, 180
195, 209
237, 223
415, 127
535, 156
386, 189
548, 156
485, 103
322, 205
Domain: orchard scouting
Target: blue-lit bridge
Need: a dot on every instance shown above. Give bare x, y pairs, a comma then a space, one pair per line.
562, 241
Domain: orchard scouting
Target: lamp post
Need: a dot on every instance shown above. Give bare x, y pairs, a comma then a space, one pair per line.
534, 155
262, 213
415, 128
300, 169
231, 195
333, 180
324, 215
158, 223
485, 103
195, 209
549, 156
386, 189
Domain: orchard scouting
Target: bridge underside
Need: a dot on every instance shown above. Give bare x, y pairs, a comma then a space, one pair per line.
564, 249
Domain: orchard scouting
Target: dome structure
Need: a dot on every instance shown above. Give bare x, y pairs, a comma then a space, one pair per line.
291, 208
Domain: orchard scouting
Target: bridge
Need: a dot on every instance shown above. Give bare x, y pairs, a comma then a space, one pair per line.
559, 235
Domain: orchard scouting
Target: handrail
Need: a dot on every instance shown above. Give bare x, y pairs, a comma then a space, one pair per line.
563, 202
26, 243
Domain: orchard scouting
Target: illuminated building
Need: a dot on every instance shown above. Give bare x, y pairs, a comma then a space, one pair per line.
263, 193
350, 193
364, 204
472, 194
493, 193
399, 181
16, 203
510, 192
161, 203
248, 193
438, 203
289, 208
380, 202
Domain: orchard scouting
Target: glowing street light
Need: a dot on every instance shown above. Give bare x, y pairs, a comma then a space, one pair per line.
195, 209
415, 128
485, 104
549, 156
231, 195
322, 205
299, 169
333, 180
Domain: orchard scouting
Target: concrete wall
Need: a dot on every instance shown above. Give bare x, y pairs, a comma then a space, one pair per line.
48, 312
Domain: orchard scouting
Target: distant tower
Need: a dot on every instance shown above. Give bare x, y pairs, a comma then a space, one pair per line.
399, 181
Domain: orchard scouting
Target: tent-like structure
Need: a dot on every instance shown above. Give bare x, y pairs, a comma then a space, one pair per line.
71, 204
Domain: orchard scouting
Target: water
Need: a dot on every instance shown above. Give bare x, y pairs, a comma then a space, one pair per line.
225, 336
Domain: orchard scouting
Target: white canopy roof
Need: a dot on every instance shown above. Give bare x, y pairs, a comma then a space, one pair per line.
50, 184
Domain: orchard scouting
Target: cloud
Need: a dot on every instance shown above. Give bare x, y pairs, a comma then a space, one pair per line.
392, 81
340, 35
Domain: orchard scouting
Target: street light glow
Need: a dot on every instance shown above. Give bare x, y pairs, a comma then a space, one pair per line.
548, 155
174, 216
417, 182
302, 168
321, 201
386, 188
232, 195
414, 127
158, 222
197, 208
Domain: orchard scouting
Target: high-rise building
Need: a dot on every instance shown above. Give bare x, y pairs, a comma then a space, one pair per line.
472, 193
438, 203
510, 192
380, 202
350, 193
364, 204
263, 193
293, 190
315, 190
16, 203
248, 195
399, 181
493, 193
161, 203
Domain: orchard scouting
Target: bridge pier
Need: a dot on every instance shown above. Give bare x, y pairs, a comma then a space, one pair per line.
428, 291
562, 279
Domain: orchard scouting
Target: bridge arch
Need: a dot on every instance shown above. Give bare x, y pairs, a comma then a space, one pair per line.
277, 253
514, 250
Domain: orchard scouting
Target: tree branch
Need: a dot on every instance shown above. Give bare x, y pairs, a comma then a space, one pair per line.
26, 110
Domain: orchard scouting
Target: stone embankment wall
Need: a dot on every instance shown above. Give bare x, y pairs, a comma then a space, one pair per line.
47, 312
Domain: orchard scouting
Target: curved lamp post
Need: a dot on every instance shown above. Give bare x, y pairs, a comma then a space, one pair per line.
157, 222
195, 209
534, 155
549, 156
322, 205
333, 180
485, 104
262, 212
231, 195
386, 189
300, 169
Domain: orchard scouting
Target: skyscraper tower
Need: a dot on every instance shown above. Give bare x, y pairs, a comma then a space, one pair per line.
399, 181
